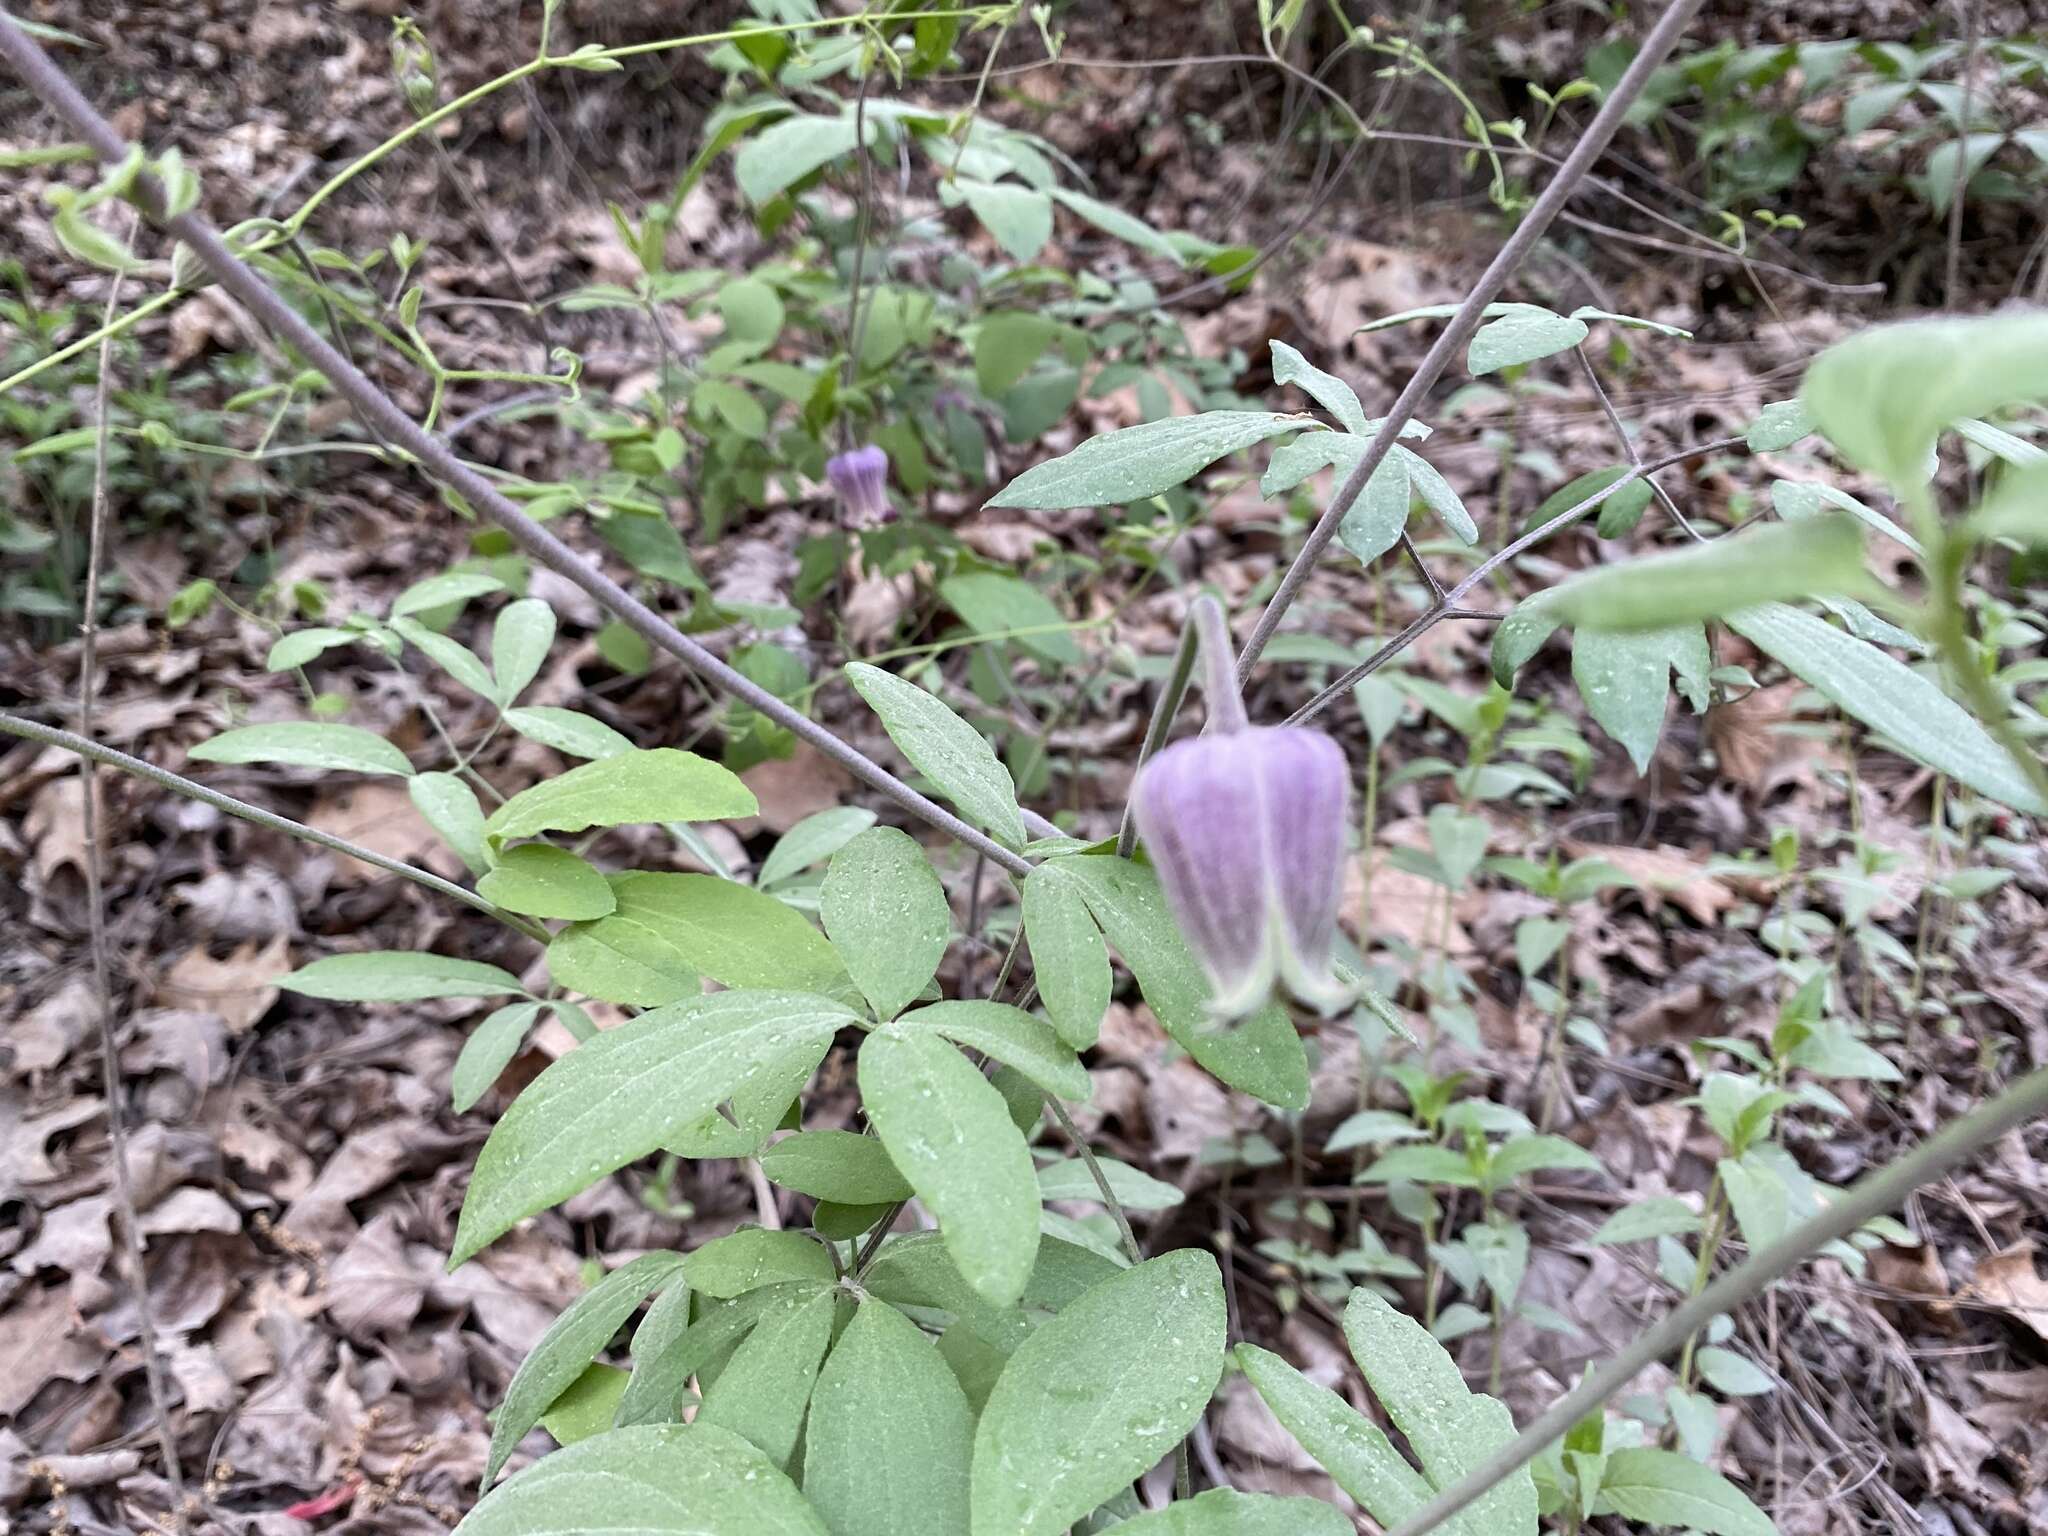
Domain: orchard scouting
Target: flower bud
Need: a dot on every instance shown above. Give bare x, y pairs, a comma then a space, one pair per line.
860, 480
1246, 829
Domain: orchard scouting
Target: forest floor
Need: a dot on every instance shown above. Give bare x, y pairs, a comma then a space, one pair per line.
297, 1165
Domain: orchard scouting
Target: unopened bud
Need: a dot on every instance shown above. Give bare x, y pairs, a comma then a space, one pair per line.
1246, 829
860, 479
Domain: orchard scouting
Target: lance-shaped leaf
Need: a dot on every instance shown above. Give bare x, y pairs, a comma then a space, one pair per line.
623, 1094
1137, 462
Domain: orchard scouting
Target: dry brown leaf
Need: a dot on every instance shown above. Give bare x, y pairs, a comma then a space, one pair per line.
2009, 1281
41, 1343
1955, 1450
47, 1033
56, 826
240, 988
1664, 873
1404, 906
791, 788
382, 818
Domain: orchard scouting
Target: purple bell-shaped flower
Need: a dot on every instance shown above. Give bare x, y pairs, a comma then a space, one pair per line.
860, 479
1246, 828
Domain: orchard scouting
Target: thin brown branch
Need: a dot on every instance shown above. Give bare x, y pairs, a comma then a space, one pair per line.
1448, 606
96, 932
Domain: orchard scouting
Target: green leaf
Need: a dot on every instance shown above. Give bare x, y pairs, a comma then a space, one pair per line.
451, 656
1374, 522
1371, 1128
1094, 1397
519, 646
488, 1051
571, 1342
1534, 1154
1262, 1056
1758, 1197
945, 749
1020, 218
587, 1405
753, 1259
567, 731
305, 744
448, 805
1624, 677
1326, 389
1112, 220
1138, 462
398, 976
1779, 560
842, 1166
668, 1349
887, 916
818, 836
1891, 698
1225, 1512
1011, 1036
621, 1095
1662, 1216
890, 1437
1422, 1165
1620, 512
652, 785
542, 880
653, 1480
1520, 636
993, 603
1134, 1190
2016, 509
790, 150
1069, 959
1631, 322
751, 311
1343, 1442
1521, 333
1437, 495
1452, 1429
1795, 499
1884, 395
1731, 1375
1663, 1488
948, 1132
669, 929
444, 591
765, 1388
1006, 345
298, 647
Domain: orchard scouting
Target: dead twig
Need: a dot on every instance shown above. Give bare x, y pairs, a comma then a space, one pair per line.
96, 931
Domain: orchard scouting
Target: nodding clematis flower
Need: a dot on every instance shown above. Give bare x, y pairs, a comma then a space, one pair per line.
1246, 829
860, 479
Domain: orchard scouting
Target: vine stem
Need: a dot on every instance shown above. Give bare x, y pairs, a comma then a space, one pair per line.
57, 92
1874, 1196
1164, 708
96, 927
163, 778
1662, 39
1447, 606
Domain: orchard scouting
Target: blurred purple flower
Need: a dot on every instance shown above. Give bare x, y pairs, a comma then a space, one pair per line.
860, 479
1246, 829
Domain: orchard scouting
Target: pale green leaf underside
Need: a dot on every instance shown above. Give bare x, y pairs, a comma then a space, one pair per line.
651, 1480
1889, 697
